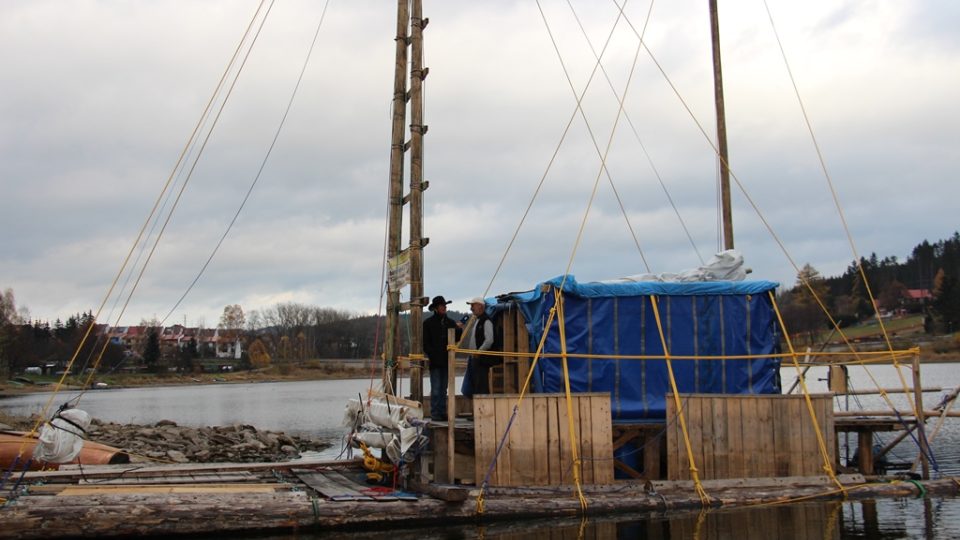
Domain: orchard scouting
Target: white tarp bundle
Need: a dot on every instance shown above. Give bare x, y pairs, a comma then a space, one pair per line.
380, 412
61, 439
724, 266
378, 423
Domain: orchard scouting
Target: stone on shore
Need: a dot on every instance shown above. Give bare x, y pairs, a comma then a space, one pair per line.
182, 444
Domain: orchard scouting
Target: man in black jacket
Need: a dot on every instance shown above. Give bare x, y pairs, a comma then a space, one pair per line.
435, 348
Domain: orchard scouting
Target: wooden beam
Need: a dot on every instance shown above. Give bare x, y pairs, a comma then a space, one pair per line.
391, 345
417, 130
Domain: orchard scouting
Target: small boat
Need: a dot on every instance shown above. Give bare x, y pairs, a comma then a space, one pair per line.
19, 443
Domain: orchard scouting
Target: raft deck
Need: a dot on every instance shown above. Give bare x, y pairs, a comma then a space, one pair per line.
114, 501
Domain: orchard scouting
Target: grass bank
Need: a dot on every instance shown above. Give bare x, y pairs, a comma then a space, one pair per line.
311, 370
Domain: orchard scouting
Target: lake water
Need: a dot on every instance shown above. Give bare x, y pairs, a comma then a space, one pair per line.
315, 409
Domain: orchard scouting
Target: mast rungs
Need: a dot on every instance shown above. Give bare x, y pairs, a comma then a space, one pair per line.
405, 306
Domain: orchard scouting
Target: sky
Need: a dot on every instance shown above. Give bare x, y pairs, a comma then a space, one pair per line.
99, 98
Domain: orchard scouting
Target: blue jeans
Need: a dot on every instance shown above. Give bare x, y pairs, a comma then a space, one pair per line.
438, 392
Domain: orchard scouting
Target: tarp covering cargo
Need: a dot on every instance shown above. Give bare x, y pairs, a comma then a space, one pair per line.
699, 319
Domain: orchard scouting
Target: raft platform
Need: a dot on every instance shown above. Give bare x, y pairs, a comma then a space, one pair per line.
302, 496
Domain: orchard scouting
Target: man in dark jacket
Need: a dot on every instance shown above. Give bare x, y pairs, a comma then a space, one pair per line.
435, 348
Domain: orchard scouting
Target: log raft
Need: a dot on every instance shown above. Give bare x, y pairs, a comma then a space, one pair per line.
278, 502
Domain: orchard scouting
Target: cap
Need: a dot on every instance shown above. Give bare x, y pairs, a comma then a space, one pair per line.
477, 300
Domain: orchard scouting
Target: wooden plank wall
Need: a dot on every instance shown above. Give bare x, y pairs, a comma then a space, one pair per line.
537, 450
749, 436
509, 378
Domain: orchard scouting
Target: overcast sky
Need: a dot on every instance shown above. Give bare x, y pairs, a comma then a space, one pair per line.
99, 97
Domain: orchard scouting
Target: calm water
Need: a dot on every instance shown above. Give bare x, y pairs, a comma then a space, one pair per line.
929, 519
315, 408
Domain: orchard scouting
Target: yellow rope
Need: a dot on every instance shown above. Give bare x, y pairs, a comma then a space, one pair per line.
704, 498
881, 356
698, 529
123, 266
523, 391
839, 207
835, 512
566, 385
773, 234
824, 452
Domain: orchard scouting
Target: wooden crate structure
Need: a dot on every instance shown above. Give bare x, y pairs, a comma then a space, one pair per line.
537, 451
749, 436
509, 378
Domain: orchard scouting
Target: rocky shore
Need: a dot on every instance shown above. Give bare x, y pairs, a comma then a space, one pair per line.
166, 441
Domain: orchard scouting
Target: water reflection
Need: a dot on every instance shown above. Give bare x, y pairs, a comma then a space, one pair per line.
932, 519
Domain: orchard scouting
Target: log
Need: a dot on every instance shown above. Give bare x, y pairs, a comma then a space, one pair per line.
112, 515
891, 414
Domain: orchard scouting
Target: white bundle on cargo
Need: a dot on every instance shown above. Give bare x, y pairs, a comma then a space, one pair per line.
379, 411
61, 439
724, 266
383, 422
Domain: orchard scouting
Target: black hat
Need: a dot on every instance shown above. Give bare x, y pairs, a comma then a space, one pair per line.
437, 301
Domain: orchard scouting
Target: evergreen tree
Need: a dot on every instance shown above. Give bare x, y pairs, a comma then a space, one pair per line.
946, 301
859, 299
151, 354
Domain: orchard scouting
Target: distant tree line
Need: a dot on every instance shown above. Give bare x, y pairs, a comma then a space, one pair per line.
293, 332
931, 272
35, 343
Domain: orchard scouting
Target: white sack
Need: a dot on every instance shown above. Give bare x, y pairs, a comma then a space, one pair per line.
62, 441
724, 266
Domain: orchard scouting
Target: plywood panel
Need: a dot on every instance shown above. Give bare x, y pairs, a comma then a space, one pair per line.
553, 440
504, 408
484, 421
737, 436
538, 449
522, 445
602, 439
541, 442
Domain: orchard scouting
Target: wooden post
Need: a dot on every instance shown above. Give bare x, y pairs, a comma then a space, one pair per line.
921, 420
838, 379
721, 130
451, 402
417, 185
391, 344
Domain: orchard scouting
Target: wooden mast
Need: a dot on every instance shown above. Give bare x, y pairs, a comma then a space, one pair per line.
721, 130
391, 345
417, 130
407, 265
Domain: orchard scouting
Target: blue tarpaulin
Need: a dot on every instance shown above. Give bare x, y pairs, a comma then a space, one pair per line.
701, 319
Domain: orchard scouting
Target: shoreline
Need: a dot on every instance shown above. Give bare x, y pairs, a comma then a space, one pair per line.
11, 388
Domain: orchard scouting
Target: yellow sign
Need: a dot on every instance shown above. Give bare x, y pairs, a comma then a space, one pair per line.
399, 275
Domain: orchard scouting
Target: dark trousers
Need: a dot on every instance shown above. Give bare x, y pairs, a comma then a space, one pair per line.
438, 391
480, 374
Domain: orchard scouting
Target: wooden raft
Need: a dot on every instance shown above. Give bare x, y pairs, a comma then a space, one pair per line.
749, 436
537, 451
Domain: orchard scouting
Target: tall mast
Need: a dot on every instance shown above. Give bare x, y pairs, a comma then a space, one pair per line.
406, 265
417, 130
391, 345
726, 209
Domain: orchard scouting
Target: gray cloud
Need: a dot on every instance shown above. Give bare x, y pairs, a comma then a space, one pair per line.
99, 98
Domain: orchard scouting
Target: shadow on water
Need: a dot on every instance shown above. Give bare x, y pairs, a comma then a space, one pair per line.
834, 520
